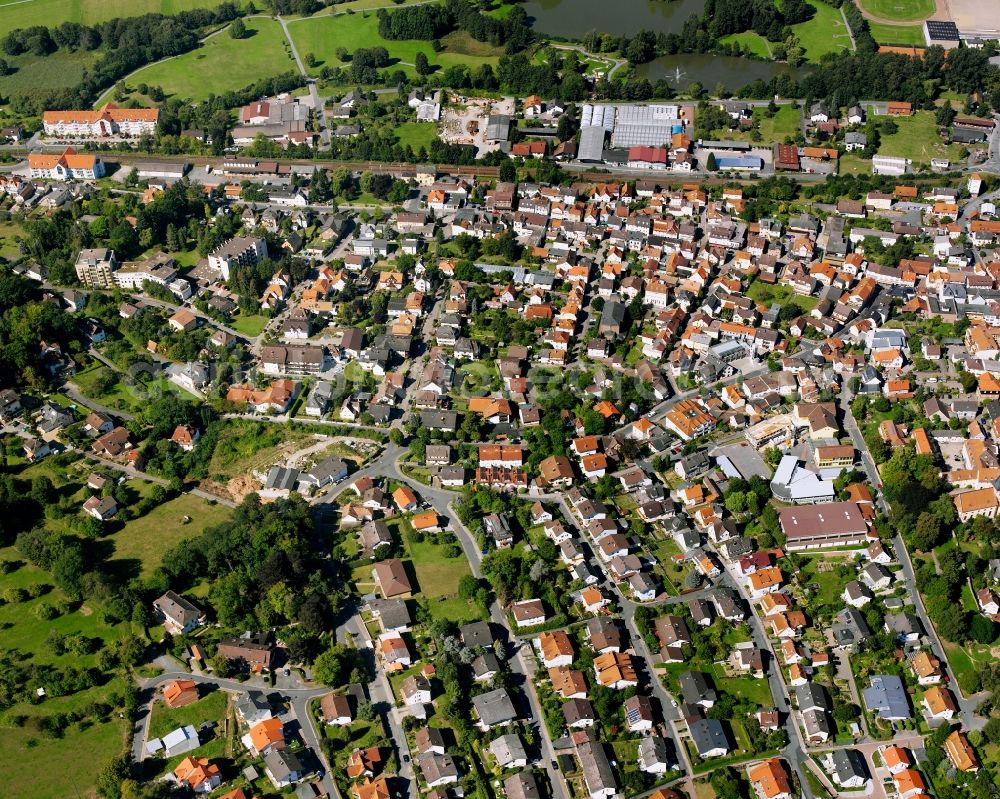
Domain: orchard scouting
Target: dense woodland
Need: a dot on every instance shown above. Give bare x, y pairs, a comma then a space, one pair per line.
429, 22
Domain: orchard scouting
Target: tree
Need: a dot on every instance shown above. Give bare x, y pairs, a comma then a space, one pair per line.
926, 532
421, 65
982, 629
945, 115
335, 666
238, 30
396, 436
4, 68
711, 164
508, 172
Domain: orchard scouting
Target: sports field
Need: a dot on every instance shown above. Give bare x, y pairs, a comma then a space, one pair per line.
25, 13
897, 34
222, 63
902, 10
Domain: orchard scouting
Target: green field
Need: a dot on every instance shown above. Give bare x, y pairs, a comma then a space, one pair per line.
438, 576
323, 35
825, 33
32, 74
210, 707
918, 140
8, 247
249, 326
786, 123
416, 134
756, 43
897, 34
24, 13
903, 10
94, 382
146, 539
73, 760
221, 64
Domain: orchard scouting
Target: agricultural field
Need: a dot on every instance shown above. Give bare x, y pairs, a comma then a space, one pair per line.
756, 43
40, 74
825, 33
143, 542
902, 10
322, 36
897, 34
25, 13
221, 64
918, 140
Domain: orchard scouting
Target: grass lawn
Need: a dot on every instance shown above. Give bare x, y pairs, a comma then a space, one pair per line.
72, 762
147, 538
209, 708
903, 10
416, 134
250, 326
94, 382
785, 123
751, 41
8, 230
758, 691
897, 34
918, 140
438, 576
323, 35
853, 164
824, 33
35, 74
783, 295
222, 64
53, 12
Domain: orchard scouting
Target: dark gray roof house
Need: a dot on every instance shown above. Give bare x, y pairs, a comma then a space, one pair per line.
494, 708
696, 690
709, 737
886, 696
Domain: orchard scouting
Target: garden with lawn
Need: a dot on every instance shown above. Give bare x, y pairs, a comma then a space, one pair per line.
766, 294
211, 707
786, 123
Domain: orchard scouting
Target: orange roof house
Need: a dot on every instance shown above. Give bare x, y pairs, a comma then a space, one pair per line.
404, 498
180, 693
267, 733
371, 789
896, 758
909, 780
770, 780
568, 682
960, 752
428, 520
198, 774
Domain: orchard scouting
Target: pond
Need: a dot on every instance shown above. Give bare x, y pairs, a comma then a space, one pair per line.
732, 72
